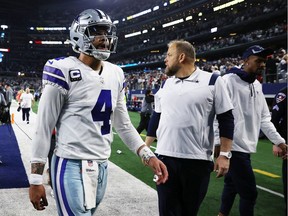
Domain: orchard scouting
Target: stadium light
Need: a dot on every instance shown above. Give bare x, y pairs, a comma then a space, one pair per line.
4, 27
50, 28
156, 8
139, 14
228, 4
175, 22
173, 1
4, 49
47, 42
132, 34
1, 56
213, 30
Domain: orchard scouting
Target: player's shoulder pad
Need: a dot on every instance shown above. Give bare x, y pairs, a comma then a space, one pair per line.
111, 65
113, 68
56, 71
62, 62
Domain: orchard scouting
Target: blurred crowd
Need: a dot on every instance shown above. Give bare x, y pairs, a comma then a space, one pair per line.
215, 44
276, 71
30, 58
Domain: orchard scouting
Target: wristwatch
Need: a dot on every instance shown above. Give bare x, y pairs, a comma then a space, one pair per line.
226, 154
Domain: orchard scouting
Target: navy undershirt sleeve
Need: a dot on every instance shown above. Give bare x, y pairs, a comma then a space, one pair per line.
153, 124
226, 124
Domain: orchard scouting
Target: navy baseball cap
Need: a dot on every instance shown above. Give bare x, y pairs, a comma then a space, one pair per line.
257, 51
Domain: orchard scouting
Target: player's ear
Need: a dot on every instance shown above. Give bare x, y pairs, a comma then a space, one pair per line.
246, 62
181, 57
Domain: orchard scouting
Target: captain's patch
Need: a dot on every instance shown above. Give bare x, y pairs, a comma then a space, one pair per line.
75, 75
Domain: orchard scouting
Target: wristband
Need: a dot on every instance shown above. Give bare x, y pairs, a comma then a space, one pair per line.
145, 153
36, 179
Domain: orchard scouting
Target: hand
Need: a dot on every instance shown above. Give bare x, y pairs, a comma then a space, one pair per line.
283, 147
159, 169
37, 196
276, 151
221, 166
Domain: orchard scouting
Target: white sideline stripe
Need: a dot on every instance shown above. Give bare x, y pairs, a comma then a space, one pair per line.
270, 191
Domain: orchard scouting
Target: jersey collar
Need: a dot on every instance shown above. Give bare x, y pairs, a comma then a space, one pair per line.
192, 78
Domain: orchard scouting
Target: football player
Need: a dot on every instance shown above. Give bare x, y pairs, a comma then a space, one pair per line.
83, 98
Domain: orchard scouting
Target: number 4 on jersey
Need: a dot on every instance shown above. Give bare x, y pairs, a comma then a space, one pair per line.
102, 111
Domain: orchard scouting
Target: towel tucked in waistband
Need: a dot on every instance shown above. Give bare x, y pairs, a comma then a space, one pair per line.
90, 182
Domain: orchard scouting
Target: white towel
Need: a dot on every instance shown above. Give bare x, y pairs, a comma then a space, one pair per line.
90, 182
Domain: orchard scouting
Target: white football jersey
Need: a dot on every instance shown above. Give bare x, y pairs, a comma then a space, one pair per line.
188, 109
82, 104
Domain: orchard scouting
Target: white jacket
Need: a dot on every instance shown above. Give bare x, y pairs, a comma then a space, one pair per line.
251, 113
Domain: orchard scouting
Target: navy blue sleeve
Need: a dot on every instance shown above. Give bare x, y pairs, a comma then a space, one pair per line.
213, 79
226, 124
153, 124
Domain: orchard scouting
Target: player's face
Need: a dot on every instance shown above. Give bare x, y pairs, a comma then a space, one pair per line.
254, 64
100, 41
171, 61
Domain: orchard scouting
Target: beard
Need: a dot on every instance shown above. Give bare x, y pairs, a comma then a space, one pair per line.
260, 71
171, 71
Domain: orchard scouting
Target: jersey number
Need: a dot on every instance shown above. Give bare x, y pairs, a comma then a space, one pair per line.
102, 111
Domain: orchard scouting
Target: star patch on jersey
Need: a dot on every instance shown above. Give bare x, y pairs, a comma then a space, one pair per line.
75, 75
280, 97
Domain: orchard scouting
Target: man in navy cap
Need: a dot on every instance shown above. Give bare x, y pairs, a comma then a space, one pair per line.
251, 114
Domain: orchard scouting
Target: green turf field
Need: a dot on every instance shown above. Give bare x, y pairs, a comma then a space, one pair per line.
268, 204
